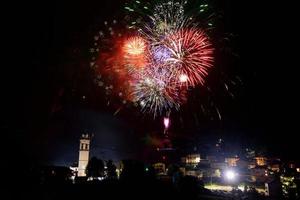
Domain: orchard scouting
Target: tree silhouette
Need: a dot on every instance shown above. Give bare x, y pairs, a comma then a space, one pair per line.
132, 170
111, 170
95, 167
174, 172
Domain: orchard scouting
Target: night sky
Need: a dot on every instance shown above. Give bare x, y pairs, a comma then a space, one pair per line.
50, 97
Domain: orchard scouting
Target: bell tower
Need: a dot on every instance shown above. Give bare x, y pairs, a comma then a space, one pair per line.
84, 149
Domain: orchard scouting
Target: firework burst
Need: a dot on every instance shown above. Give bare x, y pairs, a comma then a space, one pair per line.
192, 54
156, 58
135, 52
135, 46
155, 91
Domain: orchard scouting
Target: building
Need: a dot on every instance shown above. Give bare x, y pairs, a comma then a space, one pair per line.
274, 167
191, 159
195, 173
160, 168
84, 149
232, 161
190, 163
261, 161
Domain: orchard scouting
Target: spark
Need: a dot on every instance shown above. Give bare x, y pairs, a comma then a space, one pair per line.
219, 114
117, 111
183, 78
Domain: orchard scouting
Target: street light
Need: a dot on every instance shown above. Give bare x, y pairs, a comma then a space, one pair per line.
230, 175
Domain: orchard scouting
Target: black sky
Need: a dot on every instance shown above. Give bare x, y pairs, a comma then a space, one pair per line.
47, 76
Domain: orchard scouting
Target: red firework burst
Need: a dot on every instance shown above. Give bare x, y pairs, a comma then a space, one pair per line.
192, 54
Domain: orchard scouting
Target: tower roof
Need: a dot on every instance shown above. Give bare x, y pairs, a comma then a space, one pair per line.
85, 136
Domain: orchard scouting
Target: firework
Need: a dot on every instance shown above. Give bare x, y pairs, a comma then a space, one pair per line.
155, 59
109, 63
166, 18
155, 92
135, 53
161, 53
166, 122
192, 55
135, 46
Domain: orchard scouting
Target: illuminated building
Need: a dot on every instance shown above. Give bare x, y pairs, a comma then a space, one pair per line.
195, 173
232, 162
160, 168
191, 162
191, 159
261, 161
274, 164
84, 148
274, 167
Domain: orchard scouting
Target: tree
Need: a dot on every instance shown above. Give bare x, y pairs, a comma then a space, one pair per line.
190, 187
174, 172
111, 170
133, 170
95, 167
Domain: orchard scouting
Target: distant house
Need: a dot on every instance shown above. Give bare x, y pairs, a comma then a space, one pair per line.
274, 167
261, 161
160, 168
195, 173
231, 161
191, 159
